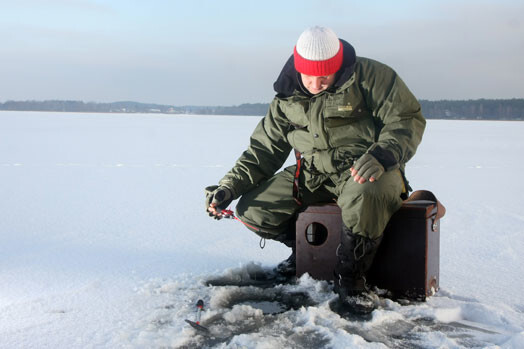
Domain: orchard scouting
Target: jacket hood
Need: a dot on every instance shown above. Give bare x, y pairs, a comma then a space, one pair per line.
288, 81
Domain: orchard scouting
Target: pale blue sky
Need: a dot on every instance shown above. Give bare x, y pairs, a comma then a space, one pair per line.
230, 52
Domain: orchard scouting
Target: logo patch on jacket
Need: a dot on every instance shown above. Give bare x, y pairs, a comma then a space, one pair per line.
346, 107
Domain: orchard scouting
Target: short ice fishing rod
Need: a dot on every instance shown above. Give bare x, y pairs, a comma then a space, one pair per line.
196, 324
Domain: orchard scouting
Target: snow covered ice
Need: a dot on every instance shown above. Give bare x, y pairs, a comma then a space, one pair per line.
105, 242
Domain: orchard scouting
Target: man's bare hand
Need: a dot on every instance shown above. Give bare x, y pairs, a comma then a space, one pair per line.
214, 211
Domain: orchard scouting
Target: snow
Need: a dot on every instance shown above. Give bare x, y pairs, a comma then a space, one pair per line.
105, 242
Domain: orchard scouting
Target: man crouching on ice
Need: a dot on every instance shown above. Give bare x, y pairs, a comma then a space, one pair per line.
355, 124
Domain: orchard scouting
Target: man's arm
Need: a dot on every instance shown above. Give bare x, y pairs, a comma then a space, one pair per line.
397, 113
268, 150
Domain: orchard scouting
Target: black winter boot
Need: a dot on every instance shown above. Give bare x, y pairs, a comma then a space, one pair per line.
355, 255
288, 268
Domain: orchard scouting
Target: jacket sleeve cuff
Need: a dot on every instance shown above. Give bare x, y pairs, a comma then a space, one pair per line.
228, 185
384, 156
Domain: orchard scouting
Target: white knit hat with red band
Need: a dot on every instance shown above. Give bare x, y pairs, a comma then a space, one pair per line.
318, 52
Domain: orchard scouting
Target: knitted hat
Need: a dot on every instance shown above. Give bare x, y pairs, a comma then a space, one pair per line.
318, 52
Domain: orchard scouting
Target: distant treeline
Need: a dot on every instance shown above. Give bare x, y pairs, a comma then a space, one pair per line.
479, 109
90, 107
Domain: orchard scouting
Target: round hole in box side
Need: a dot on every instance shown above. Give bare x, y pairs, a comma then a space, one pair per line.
316, 234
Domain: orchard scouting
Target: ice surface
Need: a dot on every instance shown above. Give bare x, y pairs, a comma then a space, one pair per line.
105, 243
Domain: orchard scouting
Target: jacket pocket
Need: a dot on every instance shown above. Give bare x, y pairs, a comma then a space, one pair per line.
340, 115
348, 127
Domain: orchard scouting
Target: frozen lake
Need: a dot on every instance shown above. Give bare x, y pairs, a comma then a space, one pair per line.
101, 211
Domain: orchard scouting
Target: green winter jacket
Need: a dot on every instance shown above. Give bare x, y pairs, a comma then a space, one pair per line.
368, 109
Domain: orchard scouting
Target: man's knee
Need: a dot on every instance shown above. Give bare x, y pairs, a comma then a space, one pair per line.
268, 216
267, 226
367, 208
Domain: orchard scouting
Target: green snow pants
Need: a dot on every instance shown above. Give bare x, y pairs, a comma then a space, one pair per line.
366, 208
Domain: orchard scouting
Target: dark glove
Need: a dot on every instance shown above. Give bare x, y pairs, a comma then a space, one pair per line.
221, 197
367, 166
